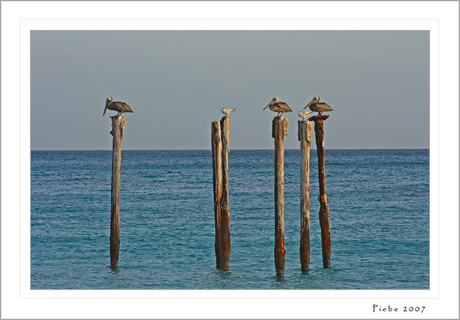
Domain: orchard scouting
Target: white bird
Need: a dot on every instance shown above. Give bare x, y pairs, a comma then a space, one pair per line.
227, 111
304, 114
317, 106
277, 106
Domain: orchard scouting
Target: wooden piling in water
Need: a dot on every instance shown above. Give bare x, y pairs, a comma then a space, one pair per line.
118, 127
324, 208
305, 133
279, 132
217, 185
224, 208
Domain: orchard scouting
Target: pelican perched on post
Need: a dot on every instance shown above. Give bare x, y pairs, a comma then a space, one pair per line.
304, 114
277, 106
116, 106
227, 111
317, 106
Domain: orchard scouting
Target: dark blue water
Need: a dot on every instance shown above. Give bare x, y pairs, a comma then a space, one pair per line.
378, 208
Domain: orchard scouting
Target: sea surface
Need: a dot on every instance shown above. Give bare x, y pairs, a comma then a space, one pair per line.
378, 211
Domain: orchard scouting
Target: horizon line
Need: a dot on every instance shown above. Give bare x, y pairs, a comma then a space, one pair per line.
236, 149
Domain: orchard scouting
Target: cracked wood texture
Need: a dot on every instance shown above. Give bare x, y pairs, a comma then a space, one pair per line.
118, 127
224, 208
217, 185
324, 207
279, 132
305, 133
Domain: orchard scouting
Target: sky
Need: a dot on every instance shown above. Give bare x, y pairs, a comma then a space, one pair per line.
377, 83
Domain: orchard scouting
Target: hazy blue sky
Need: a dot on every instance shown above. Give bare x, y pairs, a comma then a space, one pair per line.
376, 81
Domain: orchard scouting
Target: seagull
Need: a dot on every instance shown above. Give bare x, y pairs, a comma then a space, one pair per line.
227, 111
304, 114
116, 106
276, 106
317, 106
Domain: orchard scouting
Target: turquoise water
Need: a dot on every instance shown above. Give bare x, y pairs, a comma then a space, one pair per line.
378, 208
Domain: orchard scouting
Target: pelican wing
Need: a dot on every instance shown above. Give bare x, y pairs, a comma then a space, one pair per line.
320, 107
283, 107
324, 106
120, 107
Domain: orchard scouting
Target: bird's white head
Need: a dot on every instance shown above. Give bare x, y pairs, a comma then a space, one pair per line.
227, 110
304, 114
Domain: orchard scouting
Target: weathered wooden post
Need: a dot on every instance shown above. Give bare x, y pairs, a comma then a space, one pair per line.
324, 208
305, 133
217, 185
224, 209
279, 132
118, 126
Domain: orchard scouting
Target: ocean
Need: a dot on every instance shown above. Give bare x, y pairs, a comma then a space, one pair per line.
378, 211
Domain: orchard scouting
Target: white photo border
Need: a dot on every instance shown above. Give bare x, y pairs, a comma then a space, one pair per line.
18, 300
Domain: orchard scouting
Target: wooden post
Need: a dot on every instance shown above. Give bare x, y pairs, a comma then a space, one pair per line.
305, 133
118, 127
217, 185
279, 132
324, 208
224, 209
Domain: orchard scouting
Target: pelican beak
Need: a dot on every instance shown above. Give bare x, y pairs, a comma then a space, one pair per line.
310, 103
105, 109
220, 109
266, 107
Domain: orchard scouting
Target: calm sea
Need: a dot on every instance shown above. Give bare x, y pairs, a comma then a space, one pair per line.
378, 208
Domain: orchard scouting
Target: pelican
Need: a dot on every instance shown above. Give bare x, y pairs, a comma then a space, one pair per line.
116, 106
227, 111
277, 106
317, 106
304, 114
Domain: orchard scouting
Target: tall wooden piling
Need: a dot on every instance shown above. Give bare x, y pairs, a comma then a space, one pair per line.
305, 133
224, 208
324, 208
217, 185
118, 127
279, 132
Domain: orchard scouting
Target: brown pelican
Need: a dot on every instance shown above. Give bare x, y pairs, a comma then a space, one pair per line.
317, 106
116, 106
304, 114
227, 111
277, 106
